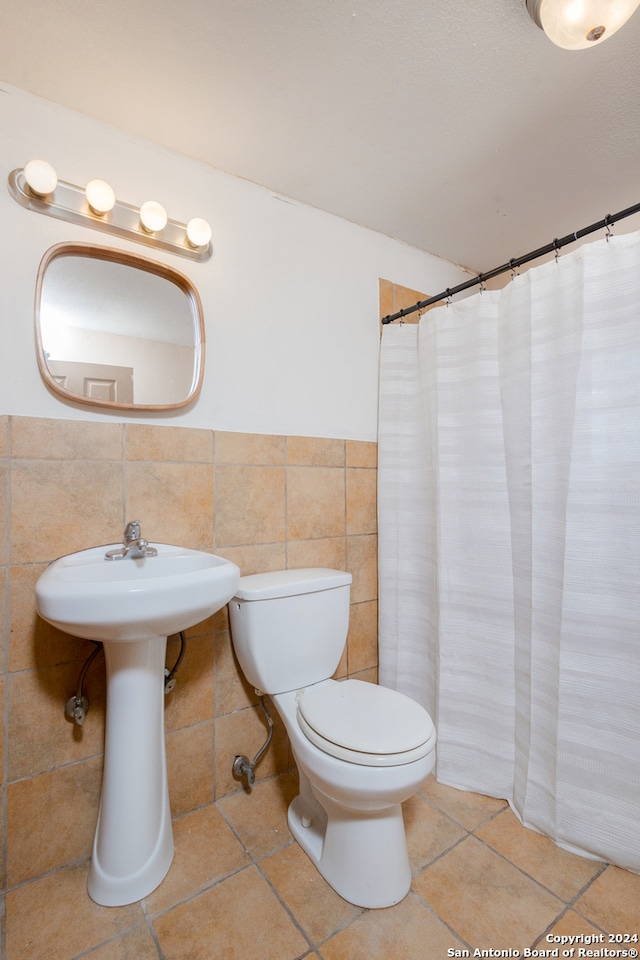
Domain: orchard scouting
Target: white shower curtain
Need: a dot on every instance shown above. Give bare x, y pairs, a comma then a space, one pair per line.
509, 542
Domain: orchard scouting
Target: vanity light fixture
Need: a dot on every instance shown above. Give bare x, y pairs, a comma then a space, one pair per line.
37, 188
100, 197
580, 24
153, 216
40, 177
198, 232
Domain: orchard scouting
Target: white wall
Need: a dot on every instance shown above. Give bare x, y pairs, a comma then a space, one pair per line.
290, 295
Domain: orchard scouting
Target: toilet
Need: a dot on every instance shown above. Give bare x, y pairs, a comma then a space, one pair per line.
360, 749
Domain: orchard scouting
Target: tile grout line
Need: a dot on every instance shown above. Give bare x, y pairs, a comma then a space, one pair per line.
288, 911
113, 939
522, 871
151, 917
542, 885
570, 905
431, 910
567, 904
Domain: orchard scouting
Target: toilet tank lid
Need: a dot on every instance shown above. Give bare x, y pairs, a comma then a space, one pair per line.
290, 583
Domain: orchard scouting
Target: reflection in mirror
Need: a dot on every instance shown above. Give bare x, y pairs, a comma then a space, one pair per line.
114, 329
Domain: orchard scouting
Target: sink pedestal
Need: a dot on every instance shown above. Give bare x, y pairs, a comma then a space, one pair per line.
132, 605
133, 845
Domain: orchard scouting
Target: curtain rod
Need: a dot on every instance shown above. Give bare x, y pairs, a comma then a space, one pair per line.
555, 245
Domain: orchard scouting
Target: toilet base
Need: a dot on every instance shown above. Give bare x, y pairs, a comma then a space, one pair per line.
362, 854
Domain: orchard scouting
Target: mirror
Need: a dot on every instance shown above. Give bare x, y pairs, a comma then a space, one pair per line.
114, 329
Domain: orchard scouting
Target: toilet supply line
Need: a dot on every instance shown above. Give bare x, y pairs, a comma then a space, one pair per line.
242, 766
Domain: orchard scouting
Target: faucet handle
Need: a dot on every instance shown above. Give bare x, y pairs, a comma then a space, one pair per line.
131, 531
135, 545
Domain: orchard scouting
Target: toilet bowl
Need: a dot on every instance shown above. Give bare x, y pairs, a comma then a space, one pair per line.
361, 750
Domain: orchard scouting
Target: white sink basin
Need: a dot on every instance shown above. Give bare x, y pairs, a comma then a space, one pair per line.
131, 599
141, 601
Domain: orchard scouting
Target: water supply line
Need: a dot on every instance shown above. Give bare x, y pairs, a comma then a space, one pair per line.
242, 766
170, 675
77, 706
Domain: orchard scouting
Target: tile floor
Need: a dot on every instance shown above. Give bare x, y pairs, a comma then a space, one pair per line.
241, 889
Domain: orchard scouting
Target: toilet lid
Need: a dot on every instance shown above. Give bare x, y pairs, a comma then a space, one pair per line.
365, 723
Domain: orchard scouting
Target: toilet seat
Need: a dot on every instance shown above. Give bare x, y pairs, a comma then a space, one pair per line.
364, 723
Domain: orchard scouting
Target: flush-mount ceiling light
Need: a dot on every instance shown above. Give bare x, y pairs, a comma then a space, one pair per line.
579, 24
100, 197
41, 178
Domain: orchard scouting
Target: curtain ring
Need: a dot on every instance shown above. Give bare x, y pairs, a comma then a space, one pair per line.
557, 249
482, 285
514, 272
609, 231
449, 298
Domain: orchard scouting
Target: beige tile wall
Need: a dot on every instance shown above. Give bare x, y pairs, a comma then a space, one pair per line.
265, 502
394, 297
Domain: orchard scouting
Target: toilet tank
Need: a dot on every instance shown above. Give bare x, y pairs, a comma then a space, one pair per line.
289, 627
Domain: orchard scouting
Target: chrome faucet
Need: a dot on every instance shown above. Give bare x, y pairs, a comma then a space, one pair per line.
134, 544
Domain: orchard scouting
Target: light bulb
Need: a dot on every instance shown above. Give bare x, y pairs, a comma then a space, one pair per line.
198, 232
153, 216
41, 178
100, 196
579, 24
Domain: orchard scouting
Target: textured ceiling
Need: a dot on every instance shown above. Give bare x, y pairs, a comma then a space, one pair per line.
456, 127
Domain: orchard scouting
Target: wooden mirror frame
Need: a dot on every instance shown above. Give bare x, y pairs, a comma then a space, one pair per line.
136, 262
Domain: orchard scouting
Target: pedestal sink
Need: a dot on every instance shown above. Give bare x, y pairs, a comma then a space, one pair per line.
132, 604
